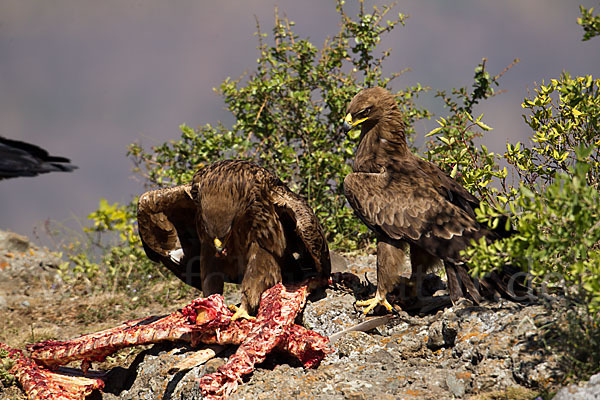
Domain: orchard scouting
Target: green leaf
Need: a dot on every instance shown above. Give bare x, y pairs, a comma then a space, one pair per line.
434, 131
483, 126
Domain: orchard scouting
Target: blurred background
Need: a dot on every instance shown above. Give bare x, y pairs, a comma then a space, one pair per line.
85, 79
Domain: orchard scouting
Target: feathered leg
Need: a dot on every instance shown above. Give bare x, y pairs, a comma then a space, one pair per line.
458, 277
263, 272
422, 264
393, 266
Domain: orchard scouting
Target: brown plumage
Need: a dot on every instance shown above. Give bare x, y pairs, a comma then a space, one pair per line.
408, 202
236, 222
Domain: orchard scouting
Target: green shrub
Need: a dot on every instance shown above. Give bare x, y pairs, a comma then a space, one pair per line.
555, 209
563, 115
555, 212
589, 22
558, 231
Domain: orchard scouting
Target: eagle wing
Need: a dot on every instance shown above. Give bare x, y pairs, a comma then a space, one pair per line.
166, 224
455, 192
405, 205
306, 226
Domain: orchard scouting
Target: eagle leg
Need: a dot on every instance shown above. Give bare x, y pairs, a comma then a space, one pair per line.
262, 272
240, 312
374, 302
393, 266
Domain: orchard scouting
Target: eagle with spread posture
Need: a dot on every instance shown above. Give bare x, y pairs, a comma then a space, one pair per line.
235, 222
419, 214
19, 158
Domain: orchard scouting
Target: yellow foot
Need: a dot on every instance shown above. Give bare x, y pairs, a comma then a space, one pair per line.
240, 312
374, 302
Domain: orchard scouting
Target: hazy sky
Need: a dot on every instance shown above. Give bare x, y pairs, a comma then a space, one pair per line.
84, 79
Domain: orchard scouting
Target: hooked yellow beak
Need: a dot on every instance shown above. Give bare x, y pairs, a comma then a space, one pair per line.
348, 124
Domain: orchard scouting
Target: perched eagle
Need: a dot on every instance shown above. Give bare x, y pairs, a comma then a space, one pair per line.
24, 159
419, 214
236, 222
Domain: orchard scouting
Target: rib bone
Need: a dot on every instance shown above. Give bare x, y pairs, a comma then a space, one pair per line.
41, 384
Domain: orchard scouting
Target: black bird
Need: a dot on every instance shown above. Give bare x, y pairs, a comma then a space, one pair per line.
25, 159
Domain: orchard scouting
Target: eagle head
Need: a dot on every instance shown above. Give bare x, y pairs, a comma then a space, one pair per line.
218, 220
367, 108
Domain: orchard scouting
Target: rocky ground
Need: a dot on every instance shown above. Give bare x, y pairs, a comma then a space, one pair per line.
492, 351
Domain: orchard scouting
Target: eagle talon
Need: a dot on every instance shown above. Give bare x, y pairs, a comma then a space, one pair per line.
374, 302
240, 312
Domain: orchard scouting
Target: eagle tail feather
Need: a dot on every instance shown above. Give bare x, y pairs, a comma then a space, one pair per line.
511, 282
453, 283
469, 284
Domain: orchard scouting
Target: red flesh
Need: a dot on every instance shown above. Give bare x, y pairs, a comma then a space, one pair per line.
205, 320
41, 384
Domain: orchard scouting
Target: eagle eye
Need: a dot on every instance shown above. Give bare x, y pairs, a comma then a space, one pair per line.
364, 112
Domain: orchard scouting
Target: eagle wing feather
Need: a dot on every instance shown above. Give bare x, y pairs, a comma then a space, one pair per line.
166, 224
404, 206
307, 226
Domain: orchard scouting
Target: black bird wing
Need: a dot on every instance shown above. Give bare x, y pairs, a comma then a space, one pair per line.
25, 159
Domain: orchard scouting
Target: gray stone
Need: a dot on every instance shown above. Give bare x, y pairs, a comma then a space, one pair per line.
338, 262
526, 328
441, 333
587, 391
456, 386
13, 242
354, 343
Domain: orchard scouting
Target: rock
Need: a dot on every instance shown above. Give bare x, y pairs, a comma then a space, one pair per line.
3, 303
354, 343
441, 334
148, 377
526, 328
334, 314
211, 365
338, 262
11, 242
587, 391
409, 346
456, 386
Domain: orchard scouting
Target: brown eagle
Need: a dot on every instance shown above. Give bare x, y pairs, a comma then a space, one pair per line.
419, 214
236, 222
